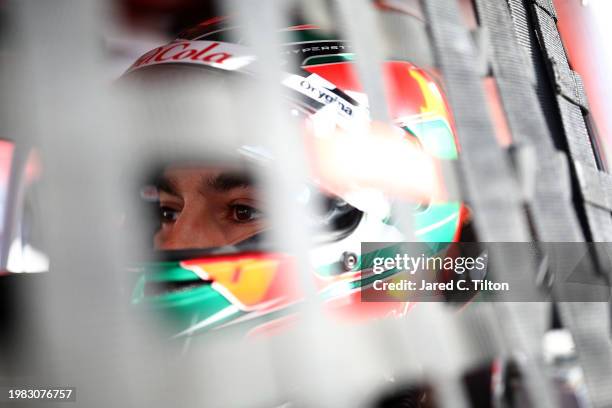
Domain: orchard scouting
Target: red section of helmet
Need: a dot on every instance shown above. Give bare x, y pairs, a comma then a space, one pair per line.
404, 94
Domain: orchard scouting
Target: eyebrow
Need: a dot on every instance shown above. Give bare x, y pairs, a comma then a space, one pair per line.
227, 181
167, 184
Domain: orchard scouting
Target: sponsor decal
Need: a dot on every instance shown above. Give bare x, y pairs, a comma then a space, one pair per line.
212, 53
252, 283
307, 49
320, 90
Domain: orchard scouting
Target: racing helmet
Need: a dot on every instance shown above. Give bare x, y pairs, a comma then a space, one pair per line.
251, 284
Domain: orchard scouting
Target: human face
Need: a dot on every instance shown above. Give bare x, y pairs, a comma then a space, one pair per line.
206, 207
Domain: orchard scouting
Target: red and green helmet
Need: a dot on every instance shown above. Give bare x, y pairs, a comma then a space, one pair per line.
256, 287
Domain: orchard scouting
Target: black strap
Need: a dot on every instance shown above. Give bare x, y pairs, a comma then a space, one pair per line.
553, 214
585, 321
572, 106
490, 186
486, 171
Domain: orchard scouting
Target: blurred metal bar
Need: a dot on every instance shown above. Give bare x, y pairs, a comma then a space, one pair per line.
79, 311
268, 124
359, 24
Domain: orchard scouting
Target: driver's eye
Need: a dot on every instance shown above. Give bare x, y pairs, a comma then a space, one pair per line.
245, 213
168, 215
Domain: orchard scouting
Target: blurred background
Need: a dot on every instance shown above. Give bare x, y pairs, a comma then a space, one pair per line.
490, 125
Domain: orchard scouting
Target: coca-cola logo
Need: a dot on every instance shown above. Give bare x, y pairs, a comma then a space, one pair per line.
213, 53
